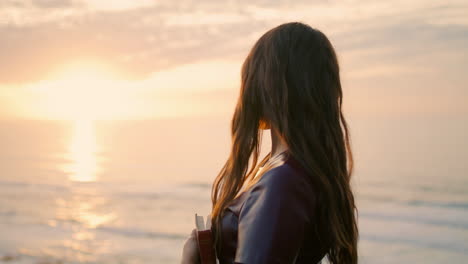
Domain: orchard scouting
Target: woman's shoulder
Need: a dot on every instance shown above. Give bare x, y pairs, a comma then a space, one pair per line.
281, 192
287, 175
286, 180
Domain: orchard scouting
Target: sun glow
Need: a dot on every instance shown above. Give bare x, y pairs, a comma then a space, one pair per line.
82, 91
96, 91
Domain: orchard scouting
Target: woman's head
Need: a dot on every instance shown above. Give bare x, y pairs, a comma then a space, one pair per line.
291, 83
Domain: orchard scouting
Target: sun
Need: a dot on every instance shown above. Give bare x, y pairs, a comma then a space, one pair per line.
81, 91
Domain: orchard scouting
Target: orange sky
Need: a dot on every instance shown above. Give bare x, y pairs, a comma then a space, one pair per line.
64, 59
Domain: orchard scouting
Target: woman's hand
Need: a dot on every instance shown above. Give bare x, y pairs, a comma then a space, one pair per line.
190, 254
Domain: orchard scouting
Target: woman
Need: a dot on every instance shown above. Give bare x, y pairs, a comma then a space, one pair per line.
296, 205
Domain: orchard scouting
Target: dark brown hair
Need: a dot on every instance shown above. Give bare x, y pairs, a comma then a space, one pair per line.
291, 79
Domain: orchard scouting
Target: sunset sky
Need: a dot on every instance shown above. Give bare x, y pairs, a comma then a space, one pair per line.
126, 59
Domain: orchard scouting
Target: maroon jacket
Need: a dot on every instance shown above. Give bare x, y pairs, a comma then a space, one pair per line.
273, 221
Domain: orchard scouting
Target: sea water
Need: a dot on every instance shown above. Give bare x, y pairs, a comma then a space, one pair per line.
127, 191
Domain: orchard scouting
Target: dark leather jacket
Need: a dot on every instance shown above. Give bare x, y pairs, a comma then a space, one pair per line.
273, 221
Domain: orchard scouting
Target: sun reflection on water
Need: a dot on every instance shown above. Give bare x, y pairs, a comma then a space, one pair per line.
86, 208
82, 213
82, 152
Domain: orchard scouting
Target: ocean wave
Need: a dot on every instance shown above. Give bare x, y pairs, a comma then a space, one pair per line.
428, 244
450, 223
413, 202
136, 233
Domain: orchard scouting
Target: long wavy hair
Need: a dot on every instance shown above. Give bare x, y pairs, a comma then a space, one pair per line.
291, 80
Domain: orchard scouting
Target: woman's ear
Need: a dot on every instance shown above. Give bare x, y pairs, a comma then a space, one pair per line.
264, 125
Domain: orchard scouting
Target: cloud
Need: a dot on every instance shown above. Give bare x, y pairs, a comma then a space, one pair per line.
140, 40
54, 3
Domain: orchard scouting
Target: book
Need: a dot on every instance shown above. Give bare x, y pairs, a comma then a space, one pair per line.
205, 240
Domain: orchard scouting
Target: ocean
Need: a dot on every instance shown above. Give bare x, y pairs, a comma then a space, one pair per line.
127, 191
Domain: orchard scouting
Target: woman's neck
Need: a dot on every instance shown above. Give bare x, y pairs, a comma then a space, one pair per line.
277, 143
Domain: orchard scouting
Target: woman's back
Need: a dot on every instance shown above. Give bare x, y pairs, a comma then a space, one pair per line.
272, 221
